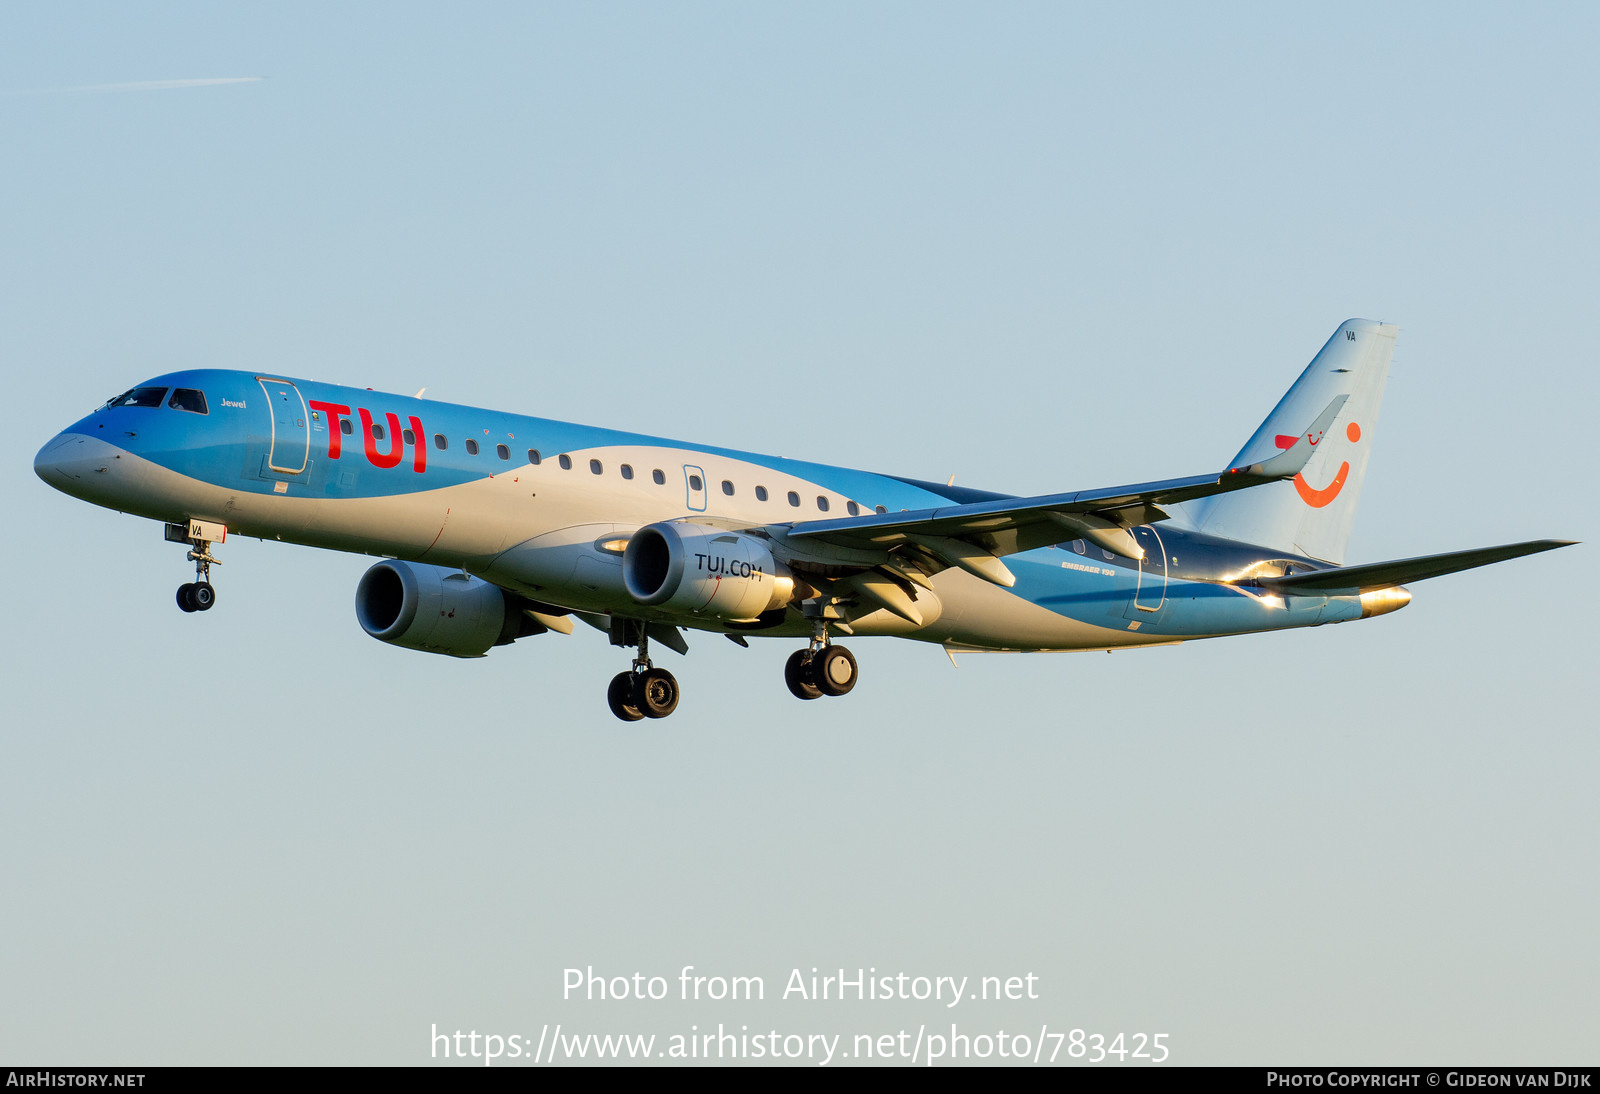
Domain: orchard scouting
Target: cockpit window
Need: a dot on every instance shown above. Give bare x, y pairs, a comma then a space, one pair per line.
139, 396
187, 398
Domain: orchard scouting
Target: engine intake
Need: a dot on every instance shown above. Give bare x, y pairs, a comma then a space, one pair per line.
690, 569
434, 609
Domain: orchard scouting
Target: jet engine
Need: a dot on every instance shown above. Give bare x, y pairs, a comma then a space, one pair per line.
436, 610
691, 569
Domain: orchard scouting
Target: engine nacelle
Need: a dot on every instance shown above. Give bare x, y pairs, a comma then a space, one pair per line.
434, 609
690, 569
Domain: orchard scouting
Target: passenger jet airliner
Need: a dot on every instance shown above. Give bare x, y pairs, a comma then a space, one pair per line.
496, 527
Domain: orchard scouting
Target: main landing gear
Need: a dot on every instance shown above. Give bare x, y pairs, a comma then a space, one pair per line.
643, 691
196, 595
821, 669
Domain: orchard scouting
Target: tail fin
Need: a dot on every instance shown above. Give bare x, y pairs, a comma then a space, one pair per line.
1312, 514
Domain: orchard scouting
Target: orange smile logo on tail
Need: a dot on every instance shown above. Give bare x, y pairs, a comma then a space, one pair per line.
1310, 494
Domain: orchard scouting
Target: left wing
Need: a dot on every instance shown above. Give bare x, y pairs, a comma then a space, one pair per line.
974, 536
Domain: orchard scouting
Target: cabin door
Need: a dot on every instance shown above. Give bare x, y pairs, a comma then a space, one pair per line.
1150, 590
291, 441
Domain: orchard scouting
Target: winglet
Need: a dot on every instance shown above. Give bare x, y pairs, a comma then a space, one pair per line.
1288, 464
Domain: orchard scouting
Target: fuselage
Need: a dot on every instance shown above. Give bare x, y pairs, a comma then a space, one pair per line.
542, 508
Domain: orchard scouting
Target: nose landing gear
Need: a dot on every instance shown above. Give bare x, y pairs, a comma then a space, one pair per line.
198, 595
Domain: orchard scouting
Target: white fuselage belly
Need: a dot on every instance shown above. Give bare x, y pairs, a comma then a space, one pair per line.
533, 529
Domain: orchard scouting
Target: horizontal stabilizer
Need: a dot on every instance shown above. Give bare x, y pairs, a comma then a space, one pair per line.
1350, 580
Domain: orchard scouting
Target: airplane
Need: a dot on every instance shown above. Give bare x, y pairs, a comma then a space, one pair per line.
495, 527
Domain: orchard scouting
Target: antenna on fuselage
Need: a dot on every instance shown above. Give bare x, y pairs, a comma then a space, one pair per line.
418, 395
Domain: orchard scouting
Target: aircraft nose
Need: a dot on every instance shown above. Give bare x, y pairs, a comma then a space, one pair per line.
70, 458
49, 463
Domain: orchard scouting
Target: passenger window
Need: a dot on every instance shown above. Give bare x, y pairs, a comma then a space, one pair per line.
440, 442
377, 431
627, 470
881, 509
852, 508
533, 456
1108, 554
658, 478
761, 493
141, 396
727, 487
472, 447
794, 499
187, 398
565, 461
594, 467
1079, 546
696, 483
345, 427
502, 451
408, 436
822, 503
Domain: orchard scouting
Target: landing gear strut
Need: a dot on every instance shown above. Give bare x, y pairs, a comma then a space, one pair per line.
643, 691
821, 668
197, 595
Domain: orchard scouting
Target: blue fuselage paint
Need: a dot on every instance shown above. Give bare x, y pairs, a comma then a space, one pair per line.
522, 501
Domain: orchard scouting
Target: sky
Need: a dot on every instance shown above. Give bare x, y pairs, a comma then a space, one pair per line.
1040, 247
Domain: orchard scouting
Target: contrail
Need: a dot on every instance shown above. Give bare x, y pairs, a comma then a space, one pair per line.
148, 85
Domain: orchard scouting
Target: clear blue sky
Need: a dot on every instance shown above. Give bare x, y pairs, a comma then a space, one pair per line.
1037, 246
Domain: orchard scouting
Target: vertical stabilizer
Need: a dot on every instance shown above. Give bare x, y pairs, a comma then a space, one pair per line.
1312, 514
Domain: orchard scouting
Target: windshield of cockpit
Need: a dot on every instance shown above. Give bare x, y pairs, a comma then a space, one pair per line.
183, 398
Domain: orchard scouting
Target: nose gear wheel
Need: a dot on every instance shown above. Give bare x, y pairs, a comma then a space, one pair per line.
196, 596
